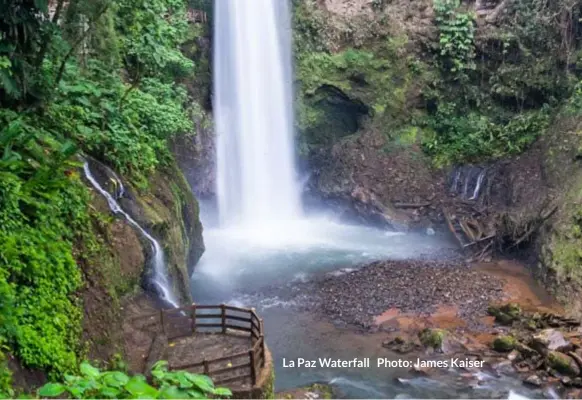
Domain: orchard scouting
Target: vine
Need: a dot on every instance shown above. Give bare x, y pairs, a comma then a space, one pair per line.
456, 37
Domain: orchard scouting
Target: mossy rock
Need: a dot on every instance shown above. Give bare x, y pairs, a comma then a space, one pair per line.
505, 314
504, 343
563, 364
432, 338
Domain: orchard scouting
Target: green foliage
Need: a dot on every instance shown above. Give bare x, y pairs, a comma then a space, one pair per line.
151, 32
93, 383
64, 88
456, 36
42, 211
133, 137
458, 137
6, 390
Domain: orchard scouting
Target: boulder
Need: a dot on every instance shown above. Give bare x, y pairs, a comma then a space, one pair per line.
504, 343
562, 363
549, 339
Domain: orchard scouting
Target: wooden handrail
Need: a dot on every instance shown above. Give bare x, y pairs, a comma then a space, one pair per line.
175, 323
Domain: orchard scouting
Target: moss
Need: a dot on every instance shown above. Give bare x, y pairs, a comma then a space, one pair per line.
563, 364
505, 314
504, 343
432, 337
269, 392
324, 391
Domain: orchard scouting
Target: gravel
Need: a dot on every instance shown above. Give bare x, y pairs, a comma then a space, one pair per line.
412, 286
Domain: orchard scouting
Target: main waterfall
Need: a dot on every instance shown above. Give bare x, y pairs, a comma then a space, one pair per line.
253, 105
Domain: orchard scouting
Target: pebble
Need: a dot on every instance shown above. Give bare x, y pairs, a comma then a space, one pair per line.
412, 286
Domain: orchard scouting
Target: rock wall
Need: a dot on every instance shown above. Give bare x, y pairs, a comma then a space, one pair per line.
118, 271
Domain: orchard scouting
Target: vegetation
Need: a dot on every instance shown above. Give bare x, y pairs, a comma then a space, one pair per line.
456, 37
101, 78
470, 98
93, 383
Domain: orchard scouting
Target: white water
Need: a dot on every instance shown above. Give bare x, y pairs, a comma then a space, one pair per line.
257, 186
160, 278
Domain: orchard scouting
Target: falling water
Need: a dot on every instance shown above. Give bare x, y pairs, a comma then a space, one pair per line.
160, 279
478, 185
254, 111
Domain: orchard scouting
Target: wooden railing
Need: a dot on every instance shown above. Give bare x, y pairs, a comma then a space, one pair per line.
245, 365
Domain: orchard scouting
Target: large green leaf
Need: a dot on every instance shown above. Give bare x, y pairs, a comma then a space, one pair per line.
109, 392
173, 392
115, 379
52, 390
137, 386
203, 382
89, 370
222, 392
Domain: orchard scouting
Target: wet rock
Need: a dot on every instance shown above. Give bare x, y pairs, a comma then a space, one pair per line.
549, 339
513, 355
504, 343
563, 363
400, 345
533, 380
526, 351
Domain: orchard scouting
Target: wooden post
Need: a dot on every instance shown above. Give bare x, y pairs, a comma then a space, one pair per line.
223, 315
193, 316
162, 321
206, 369
253, 371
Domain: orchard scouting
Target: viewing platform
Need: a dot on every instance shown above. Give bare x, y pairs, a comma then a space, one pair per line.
223, 342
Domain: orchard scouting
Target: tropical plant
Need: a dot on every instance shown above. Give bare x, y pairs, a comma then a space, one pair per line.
93, 383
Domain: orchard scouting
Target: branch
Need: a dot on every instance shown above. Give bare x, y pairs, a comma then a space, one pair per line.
58, 11
77, 43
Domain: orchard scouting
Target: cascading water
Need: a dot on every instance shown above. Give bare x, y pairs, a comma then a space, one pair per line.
160, 279
254, 113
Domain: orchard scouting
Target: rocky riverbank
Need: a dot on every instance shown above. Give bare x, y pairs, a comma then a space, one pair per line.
493, 317
364, 296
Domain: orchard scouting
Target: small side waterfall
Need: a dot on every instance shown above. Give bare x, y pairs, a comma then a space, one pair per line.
468, 181
160, 279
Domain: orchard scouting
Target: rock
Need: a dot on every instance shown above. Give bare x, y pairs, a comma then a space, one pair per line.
549, 339
533, 380
513, 355
525, 351
430, 232
504, 343
563, 363
432, 338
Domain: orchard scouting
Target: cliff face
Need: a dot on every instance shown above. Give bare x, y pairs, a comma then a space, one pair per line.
389, 101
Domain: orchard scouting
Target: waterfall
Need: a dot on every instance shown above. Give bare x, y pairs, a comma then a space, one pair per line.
159, 279
253, 105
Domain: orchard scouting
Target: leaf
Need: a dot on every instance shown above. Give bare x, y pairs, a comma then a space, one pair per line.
110, 392
203, 382
89, 371
137, 386
52, 390
172, 392
196, 394
220, 391
115, 379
